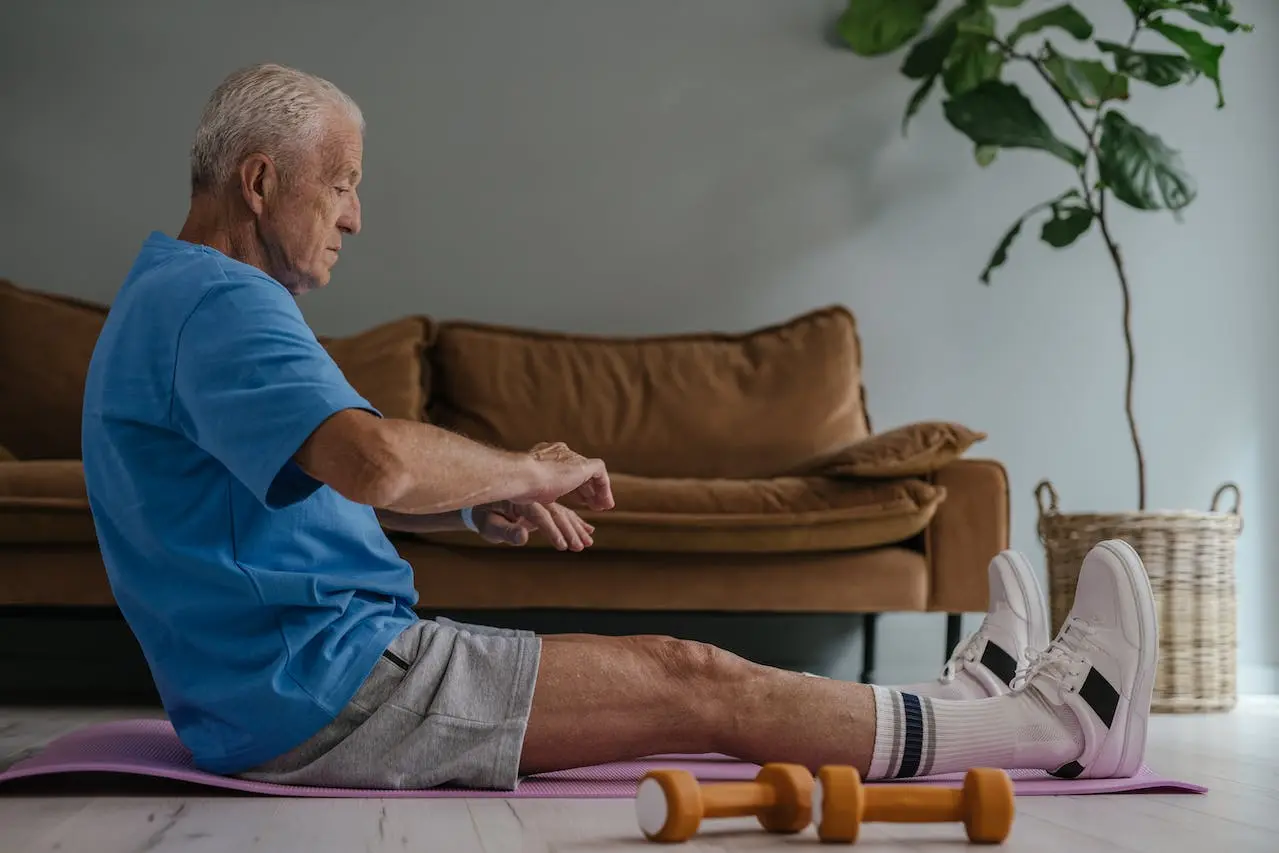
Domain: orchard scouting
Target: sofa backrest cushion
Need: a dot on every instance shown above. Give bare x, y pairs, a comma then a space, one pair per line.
46, 342
752, 404
386, 365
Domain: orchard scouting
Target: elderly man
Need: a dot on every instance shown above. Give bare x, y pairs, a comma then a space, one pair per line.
241, 489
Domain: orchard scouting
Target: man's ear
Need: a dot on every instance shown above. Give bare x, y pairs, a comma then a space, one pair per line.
259, 181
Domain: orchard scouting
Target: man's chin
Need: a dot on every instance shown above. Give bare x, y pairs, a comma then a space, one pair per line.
305, 284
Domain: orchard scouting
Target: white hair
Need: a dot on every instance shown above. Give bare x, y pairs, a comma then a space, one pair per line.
269, 109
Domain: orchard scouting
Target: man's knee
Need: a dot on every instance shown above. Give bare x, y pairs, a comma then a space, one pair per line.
687, 660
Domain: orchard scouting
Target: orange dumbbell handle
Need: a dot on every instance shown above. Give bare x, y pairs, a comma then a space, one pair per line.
913, 804
737, 799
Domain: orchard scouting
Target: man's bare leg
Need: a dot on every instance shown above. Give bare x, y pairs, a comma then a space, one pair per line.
602, 699
1079, 710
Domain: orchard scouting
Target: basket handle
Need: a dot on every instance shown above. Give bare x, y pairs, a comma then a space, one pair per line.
1045, 486
1221, 490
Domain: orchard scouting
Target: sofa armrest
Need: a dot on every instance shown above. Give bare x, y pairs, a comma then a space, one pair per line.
971, 526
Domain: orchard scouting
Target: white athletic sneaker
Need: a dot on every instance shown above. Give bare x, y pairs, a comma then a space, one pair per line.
986, 663
1101, 667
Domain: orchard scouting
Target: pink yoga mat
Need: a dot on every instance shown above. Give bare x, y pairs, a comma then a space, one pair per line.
151, 748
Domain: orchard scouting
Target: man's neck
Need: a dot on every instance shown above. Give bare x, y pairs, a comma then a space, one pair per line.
214, 223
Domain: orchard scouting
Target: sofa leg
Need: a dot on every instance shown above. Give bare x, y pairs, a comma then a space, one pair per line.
954, 624
870, 621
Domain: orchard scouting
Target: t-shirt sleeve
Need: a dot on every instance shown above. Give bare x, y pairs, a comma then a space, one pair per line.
251, 383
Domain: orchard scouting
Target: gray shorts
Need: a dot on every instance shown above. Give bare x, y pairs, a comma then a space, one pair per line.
446, 703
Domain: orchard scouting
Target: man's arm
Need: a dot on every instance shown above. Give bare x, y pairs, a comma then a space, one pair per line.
254, 389
419, 469
503, 522
437, 522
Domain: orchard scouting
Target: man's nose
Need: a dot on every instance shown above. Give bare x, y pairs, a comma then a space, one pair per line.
349, 221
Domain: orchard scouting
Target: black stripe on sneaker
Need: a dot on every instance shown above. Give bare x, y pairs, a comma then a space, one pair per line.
998, 661
913, 743
1100, 696
1067, 771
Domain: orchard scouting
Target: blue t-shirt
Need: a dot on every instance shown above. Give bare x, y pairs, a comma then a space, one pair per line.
260, 597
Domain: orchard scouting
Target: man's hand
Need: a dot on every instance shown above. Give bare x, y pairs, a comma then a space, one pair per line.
561, 472
509, 523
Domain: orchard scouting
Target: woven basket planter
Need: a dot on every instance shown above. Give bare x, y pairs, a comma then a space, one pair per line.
1190, 558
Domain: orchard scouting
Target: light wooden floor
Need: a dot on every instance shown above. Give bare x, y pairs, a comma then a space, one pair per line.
1235, 755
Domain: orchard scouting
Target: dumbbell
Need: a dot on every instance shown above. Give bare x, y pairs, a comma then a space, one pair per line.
841, 804
670, 804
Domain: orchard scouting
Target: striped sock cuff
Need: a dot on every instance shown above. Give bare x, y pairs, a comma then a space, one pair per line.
905, 735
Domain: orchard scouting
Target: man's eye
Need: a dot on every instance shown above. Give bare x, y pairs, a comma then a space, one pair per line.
342, 190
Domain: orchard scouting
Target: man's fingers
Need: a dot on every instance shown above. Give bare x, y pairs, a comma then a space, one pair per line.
584, 530
603, 490
597, 491
565, 521
506, 530
546, 521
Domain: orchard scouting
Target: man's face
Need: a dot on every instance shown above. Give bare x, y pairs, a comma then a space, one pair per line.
303, 226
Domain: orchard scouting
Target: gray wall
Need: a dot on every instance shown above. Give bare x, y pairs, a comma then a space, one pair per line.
662, 165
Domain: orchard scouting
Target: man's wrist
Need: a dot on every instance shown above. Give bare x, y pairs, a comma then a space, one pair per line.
528, 475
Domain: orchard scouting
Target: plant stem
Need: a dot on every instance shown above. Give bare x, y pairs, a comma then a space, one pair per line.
1127, 292
1099, 212
1125, 288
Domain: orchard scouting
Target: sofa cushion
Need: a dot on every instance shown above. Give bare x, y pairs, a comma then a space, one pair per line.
45, 502
46, 342
754, 404
913, 450
385, 365
784, 514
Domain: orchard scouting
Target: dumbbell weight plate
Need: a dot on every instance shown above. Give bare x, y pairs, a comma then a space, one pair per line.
794, 786
668, 805
991, 802
838, 803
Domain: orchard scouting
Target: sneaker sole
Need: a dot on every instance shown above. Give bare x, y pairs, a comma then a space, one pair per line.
1013, 566
1137, 711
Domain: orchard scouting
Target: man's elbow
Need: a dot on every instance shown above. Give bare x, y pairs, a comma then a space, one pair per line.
356, 454
383, 480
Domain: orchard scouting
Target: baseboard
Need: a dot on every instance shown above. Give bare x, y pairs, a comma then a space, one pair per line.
1256, 679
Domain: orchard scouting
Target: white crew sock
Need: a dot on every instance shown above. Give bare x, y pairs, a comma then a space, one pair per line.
920, 736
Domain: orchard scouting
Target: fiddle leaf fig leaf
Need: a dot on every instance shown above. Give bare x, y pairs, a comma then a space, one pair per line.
877, 27
917, 100
1157, 69
972, 62
1212, 14
1140, 168
1000, 256
1085, 81
927, 56
1203, 54
1067, 225
1065, 17
1218, 20
997, 113
1142, 9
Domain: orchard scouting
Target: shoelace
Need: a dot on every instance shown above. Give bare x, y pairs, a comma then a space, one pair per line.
965, 652
1062, 659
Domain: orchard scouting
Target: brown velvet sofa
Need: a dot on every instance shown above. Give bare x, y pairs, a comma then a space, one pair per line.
746, 474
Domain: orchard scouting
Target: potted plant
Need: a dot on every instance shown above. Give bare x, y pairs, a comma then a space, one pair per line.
1106, 159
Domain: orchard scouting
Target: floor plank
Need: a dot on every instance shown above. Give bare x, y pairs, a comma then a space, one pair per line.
1236, 755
